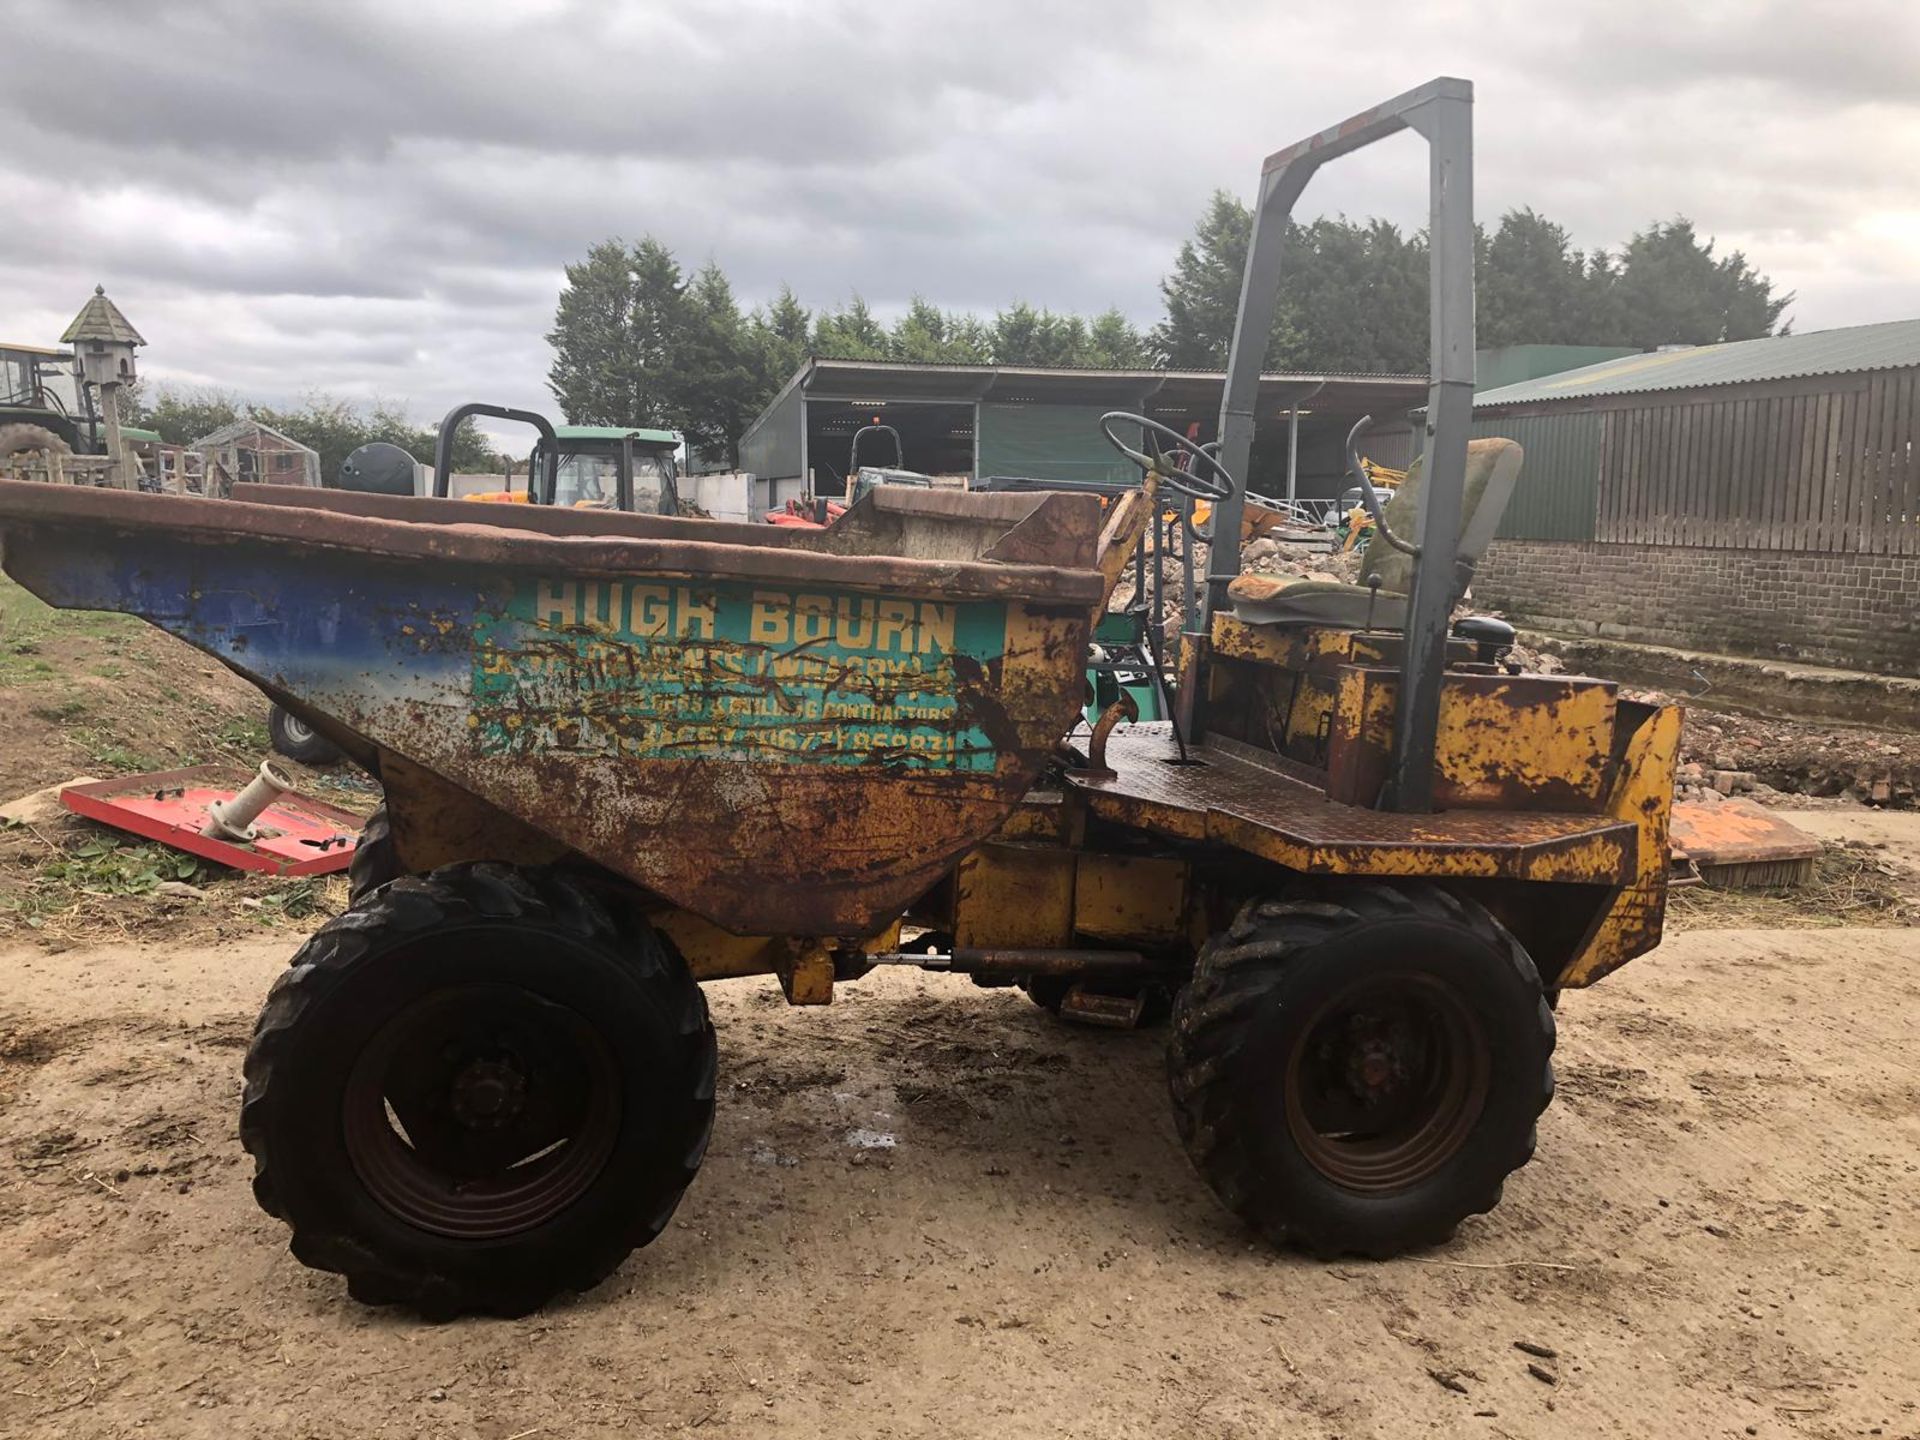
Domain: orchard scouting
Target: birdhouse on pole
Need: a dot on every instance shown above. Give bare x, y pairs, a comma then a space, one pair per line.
103, 344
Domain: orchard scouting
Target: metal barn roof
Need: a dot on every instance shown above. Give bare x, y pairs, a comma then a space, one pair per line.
1892, 344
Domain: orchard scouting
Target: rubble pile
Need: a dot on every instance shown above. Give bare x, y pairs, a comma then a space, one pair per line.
1787, 761
1261, 557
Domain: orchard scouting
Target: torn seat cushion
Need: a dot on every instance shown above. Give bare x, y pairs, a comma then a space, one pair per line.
1282, 600
1493, 465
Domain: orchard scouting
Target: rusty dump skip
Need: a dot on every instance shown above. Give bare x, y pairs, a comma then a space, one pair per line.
785, 738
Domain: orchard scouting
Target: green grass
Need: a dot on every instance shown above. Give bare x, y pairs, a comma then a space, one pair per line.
61, 713
30, 629
100, 865
107, 753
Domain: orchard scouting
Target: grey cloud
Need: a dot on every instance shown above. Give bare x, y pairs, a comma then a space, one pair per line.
379, 198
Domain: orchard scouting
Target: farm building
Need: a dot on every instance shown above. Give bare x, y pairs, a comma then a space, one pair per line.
1757, 498
979, 421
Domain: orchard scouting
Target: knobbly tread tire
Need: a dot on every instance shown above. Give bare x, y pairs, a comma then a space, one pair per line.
16, 438
1242, 978
375, 860
378, 1271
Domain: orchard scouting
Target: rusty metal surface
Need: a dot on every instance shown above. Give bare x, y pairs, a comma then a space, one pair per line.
1125, 708
1014, 896
1029, 529
1018, 964
1736, 832
801, 752
1642, 795
681, 549
1505, 742
1232, 797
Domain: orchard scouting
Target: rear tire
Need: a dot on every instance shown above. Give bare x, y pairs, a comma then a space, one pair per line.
297, 740
1359, 1073
478, 1089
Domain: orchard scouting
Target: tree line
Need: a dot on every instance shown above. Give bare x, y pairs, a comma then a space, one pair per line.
639, 341
1353, 295
326, 424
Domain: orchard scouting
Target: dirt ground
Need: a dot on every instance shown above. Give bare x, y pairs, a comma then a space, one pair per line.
929, 1209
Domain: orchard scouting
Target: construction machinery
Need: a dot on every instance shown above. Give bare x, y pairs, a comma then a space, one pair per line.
42, 409
818, 510
624, 754
580, 467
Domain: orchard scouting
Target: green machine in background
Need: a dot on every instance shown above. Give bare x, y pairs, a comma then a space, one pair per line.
1120, 665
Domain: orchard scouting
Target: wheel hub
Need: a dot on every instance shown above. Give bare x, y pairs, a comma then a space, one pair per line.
489, 1094
482, 1111
1387, 1081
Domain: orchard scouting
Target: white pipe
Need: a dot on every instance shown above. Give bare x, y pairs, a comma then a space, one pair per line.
233, 819
1293, 452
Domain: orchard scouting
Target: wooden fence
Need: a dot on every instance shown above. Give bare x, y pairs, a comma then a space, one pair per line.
1827, 469
1830, 463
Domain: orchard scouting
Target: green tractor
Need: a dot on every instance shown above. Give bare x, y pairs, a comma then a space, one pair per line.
42, 410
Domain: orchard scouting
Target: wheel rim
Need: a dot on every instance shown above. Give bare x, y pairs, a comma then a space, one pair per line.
1387, 1081
298, 731
481, 1111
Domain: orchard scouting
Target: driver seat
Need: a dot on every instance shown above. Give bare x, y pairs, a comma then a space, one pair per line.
1492, 468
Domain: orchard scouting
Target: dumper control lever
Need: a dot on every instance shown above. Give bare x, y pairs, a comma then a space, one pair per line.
1357, 468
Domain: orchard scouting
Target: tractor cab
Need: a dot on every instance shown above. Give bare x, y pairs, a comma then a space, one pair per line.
581, 467
608, 467
37, 392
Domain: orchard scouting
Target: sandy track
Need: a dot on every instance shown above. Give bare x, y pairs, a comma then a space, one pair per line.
1725, 1191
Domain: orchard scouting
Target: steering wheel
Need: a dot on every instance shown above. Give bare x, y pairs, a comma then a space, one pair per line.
1217, 486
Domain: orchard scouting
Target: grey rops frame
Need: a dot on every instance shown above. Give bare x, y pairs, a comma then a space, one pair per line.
1442, 112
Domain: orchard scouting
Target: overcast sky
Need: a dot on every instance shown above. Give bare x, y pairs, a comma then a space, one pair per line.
376, 199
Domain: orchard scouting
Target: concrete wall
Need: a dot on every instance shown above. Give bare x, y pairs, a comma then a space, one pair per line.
1858, 612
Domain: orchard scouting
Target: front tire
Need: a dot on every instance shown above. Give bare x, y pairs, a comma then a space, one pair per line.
478, 1089
375, 860
1359, 1073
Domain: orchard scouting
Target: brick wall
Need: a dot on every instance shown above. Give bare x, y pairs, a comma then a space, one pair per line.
1859, 612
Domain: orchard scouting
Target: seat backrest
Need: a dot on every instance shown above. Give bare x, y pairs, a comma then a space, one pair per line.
1493, 466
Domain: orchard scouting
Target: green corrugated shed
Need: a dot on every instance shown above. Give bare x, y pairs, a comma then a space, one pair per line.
1890, 345
1050, 442
1510, 364
1554, 498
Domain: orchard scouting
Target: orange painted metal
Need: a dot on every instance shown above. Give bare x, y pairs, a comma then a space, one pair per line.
1736, 832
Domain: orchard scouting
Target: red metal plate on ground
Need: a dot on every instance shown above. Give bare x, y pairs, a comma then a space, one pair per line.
1736, 832
298, 835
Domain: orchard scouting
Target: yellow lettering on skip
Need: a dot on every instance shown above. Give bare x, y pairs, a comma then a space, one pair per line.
652, 613
768, 622
853, 623
696, 614
936, 627
555, 604
812, 618
896, 620
601, 604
